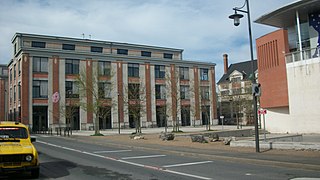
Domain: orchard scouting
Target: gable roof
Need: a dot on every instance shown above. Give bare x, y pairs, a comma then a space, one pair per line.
243, 67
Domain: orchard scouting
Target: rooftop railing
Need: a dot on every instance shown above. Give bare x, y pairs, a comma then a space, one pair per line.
302, 55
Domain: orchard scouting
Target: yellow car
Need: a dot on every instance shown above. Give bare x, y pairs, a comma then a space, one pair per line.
17, 152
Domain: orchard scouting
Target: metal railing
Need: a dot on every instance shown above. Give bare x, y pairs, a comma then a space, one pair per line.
302, 55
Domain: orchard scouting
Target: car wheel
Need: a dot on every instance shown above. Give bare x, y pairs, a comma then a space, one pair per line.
35, 173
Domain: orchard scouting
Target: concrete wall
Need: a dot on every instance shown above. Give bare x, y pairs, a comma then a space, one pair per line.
278, 120
304, 96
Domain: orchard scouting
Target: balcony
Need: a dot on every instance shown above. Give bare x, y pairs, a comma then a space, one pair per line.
302, 55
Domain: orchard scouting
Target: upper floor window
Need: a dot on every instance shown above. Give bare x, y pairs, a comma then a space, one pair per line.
235, 79
72, 90
72, 66
104, 90
204, 75
40, 89
15, 48
19, 66
167, 55
133, 70
160, 91
11, 74
184, 92
19, 91
104, 68
14, 93
40, 64
122, 51
71, 47
38, 44
146, 53
134, 91
184, 73
14, 71
204, 92
96, 49
160, 71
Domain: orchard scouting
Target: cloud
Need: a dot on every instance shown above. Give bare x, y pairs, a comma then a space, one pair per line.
201, 28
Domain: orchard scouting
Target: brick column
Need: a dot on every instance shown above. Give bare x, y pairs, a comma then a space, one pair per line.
214, 98
196, 92
55, 87
148, 92
89, 84
174, 91
25, 98
120, 91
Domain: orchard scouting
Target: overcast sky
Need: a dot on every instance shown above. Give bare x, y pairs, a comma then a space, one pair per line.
200, 27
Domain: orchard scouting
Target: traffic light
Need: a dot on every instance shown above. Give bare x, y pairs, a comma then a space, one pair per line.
256, 89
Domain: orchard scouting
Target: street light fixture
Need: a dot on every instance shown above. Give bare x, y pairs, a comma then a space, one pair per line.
236, 17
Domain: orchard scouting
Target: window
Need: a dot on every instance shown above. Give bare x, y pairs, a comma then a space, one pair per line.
236, 91
160, 92
146, 53
38, 44
160, 71
133, 91
104, 68
104, 90
133, 70
11, 74
235, 79
19, 66
72, 66
225, 93
19, 91
204, 75
72, 90
14, 93
14, 71
40, 89
15, 48
96, 49
184, 73
167, 55
122, 51
204, 92
184, 92
40, 64
71, 47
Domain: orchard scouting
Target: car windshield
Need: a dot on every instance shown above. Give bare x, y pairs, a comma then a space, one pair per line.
13, 132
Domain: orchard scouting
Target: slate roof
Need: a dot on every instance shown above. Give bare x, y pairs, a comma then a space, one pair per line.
243, 67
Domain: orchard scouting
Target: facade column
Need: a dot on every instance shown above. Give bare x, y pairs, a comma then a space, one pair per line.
148, 94
26, 118
213, 94
120, 92
55, 88
196, 94
88, 93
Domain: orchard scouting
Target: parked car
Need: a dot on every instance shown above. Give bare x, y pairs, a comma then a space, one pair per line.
17, 152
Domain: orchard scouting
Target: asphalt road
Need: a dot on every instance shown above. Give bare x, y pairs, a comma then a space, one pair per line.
63, 158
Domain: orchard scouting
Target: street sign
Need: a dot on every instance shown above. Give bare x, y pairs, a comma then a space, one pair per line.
55, 97
221, 117
262, 111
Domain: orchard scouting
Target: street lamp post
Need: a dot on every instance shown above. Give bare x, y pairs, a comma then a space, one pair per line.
236, 17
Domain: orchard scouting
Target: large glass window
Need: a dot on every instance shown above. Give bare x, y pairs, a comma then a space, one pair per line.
167, 55
70, 47
72, 66
40, 89
72, 90
146, 53
38, 44
19, 91
133, 91
184, 92
204, 75
104, 90
104, 68
160, 71
133, 70
40, 64
122, 51
96, 49
204, 92
184, 73
160, 92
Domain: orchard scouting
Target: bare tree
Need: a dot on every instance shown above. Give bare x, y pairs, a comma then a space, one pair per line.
135, 99
100, 91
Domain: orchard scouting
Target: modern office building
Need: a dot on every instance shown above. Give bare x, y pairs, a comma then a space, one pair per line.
235, 92
289, 68
3, 92
46, 72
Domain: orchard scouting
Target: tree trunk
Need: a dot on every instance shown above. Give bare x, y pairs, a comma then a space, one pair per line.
96, 126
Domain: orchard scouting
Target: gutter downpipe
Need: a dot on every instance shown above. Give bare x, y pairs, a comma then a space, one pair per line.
299, 35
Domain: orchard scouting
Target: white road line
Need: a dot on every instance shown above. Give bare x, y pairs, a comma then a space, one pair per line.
127, 162
141, 157
186, 164
115, 151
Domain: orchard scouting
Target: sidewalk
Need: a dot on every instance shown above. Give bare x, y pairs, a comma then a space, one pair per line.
272, 141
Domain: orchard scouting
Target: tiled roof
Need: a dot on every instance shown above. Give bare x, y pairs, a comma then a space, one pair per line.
242, 67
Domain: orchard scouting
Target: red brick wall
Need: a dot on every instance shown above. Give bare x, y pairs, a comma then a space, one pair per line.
55, 87
214, 98
2, 99
271, 50
148, 92
89, 84
120, 90
174, 91
196, 91
25, 89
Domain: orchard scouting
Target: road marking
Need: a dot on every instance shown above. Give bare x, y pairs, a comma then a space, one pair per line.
115, 151
142, 157
126, 162
186, 164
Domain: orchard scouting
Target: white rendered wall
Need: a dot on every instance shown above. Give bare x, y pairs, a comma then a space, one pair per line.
304, 97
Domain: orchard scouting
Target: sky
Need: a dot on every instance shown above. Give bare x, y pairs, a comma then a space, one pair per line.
200, 27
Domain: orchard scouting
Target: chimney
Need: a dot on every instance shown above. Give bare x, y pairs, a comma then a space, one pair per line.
225, 61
